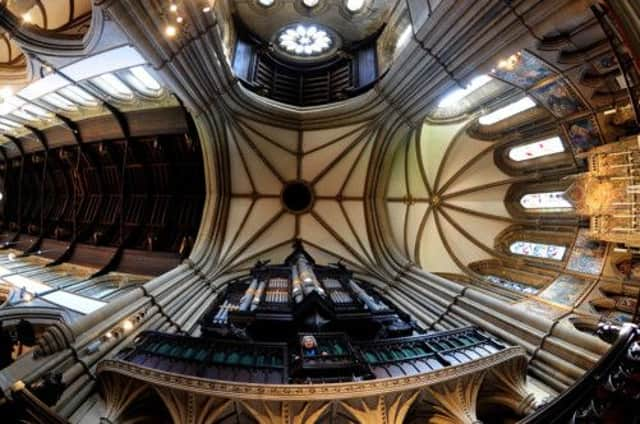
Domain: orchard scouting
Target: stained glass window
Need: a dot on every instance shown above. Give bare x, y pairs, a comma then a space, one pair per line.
549, 200
512, 285
538, 250
548, 146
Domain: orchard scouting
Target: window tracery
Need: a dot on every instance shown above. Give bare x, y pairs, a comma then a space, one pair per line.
545, 200
538, 250
536, 149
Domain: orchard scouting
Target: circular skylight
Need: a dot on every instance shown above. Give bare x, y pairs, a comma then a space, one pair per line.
305, 40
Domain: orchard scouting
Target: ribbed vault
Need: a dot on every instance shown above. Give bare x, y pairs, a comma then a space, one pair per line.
333, 162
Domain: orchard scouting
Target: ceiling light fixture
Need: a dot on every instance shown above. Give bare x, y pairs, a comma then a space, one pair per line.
170, 31
305, 40
354, 5
265, 3
310, 3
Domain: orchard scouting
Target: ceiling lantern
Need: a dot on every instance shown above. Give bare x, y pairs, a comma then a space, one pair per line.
303, 40
354, 6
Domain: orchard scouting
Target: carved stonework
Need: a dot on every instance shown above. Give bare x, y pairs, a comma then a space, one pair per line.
450, 394
119, 394
506, 386
455, 402
608, 193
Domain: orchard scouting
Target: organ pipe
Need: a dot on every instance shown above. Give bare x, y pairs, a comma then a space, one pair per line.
257, 296
309, 281
245, 301
365, 297
296, 290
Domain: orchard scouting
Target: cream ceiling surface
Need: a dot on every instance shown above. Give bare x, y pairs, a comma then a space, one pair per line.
334, 162
445, 198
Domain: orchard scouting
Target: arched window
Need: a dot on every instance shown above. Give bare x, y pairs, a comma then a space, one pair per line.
548, 200
511, 285
459, 93
507, 111
538, 250
548, 146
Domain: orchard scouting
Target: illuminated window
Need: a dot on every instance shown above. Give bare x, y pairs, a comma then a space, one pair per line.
507, 111
78, 95
37, 111
549, 200
9, 123
405, 36
59, 102
459, 93
538, 250
536, 149
112, 86
354, 5
305, 40
512, 285
143, 82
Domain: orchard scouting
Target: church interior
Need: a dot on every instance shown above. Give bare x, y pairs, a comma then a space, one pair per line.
319, 211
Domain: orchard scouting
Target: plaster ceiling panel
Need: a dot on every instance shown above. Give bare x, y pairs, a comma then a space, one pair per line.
356, 215
264, 175
286, 138
489, 200
415, 177
331, 213
278, 233
484, 230
463, 150
283, 161
315, 163
357, 180
433, 255
338, 172
240, 180
239, 211
265, 212
434, 140
49, 14
312, 230
315, 139
462, 248
482, 172
414, 222
397, 185
396, 211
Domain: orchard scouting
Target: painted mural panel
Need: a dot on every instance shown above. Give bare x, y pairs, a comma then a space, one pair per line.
566, 289
559, 98
628, 267
583, 134
588, 255
522, 70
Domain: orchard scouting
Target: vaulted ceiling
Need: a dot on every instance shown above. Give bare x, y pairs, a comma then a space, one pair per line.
333, 162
